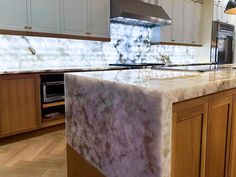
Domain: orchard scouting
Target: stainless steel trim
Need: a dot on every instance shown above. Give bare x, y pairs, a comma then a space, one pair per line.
135, 12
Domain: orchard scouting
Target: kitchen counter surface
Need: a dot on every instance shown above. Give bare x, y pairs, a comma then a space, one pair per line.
56, 70
120, 121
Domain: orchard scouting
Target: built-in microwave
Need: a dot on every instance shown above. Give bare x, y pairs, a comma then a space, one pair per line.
52, 88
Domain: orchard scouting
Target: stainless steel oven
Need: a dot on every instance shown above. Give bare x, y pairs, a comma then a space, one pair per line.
52, 88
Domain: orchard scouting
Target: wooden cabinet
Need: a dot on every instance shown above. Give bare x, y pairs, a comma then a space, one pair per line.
177, 21
75, 17
197, 24
87, 18
44, 15
186, 27
166, 30
188, 20
82, 19
189, 137
18, 104
13, 15
99, 11
218, 137
203, 137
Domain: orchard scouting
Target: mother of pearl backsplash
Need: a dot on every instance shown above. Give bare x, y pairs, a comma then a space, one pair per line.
129, 44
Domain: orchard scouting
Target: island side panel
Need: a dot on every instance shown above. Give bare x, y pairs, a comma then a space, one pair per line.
118, 128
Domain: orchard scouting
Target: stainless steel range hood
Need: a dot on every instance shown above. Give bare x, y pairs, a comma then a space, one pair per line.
135, 12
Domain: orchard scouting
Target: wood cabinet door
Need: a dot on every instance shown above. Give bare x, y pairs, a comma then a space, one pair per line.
188, 21
218, 137
18, 105
189, 137
232, 163
44, 15
75, 17
177, 20
99, 19
13, 15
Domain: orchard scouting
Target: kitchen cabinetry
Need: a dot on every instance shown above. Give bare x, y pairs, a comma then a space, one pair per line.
18, 104
82, 19
13, 15
189, 129
44, 15
177, 21
203, 145
188, 19
186, 25
218, 133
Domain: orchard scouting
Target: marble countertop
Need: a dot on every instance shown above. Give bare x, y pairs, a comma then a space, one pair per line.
120, 121
56, 70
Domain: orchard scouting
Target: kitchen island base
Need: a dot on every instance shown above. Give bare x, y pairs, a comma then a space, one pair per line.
78, 167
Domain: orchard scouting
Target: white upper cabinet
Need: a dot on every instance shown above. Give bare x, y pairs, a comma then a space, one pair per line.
44, 15
75, 17
197, 24
177, 21
13, 15
166, 30
87, 18
99, 11
188, 21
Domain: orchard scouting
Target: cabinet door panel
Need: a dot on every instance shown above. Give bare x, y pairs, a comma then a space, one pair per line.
233, 143
100, 18
166, 30
188, 21
75, 17
217, 137
189, 132
177, 21
13, 14
197, 24
45, 15
17, 105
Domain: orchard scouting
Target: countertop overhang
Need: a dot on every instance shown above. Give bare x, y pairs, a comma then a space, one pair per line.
121, 121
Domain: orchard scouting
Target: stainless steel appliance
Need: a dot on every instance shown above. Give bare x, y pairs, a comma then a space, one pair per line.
135, 12
52, 88
222, 45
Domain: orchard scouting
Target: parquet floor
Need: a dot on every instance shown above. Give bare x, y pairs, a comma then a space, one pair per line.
43, 156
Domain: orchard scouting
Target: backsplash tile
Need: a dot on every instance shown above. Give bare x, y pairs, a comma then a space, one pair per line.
129, 44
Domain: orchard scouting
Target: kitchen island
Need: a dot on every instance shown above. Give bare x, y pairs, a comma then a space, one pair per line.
150, 123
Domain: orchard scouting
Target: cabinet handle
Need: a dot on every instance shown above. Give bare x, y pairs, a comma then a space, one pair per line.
88, 33
194, 42
30, 28
26, 27
172, 40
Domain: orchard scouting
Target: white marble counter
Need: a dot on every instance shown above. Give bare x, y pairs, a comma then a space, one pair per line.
120, 121
56, 70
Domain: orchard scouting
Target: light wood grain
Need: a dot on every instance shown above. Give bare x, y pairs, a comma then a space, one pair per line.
217, 137
188, 145
42, 156
18, 104
78, 167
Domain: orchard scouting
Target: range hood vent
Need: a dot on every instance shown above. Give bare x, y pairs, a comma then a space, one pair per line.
135, 12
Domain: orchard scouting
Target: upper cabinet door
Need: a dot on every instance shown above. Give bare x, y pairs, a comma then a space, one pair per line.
44, 15
75, 19
166, 30
197, 24
177, 21
99, 18
13, 15
188, 21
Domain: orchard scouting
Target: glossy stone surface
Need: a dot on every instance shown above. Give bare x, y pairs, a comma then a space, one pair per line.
120, 121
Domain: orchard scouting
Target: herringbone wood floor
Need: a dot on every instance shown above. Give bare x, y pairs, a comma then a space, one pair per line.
43, 156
